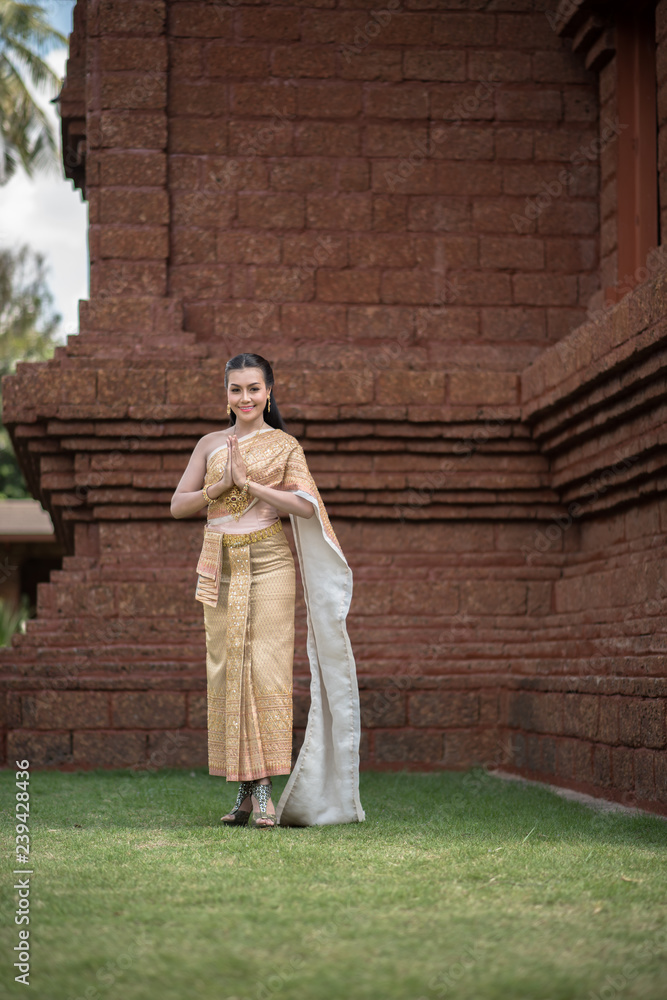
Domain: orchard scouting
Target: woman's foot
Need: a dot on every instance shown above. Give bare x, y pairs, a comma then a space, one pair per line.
264, 813
240, 814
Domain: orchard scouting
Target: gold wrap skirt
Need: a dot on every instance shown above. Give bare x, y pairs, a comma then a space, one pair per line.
249, 661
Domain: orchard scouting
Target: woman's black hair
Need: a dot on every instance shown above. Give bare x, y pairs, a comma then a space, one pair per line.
241, 361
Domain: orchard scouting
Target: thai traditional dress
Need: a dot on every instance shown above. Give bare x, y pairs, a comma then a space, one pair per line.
246, 582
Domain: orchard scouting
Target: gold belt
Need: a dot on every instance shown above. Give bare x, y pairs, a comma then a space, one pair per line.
254, 536
209, 565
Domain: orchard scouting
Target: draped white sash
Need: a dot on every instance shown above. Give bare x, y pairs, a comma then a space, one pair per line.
323, 787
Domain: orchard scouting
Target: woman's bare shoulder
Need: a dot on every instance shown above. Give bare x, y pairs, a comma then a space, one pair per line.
209, 442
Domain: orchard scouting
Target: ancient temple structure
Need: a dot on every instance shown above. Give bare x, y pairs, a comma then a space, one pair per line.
444, 224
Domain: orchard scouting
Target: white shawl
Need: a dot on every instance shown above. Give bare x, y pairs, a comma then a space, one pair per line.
323, 787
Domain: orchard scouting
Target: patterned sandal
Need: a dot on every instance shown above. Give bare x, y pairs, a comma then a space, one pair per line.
263, 793
239, 817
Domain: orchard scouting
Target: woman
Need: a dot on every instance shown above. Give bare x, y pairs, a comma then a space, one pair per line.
247, 475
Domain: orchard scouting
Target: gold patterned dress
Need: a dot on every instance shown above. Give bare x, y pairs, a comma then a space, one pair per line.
246, 582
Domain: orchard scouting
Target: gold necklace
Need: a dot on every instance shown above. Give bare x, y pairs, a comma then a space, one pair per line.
237, 501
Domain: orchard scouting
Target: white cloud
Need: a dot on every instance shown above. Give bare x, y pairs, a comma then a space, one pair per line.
49, 214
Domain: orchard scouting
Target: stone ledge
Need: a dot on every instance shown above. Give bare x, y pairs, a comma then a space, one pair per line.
592, 801
596, 349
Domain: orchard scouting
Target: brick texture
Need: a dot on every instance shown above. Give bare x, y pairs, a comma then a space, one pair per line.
386, 205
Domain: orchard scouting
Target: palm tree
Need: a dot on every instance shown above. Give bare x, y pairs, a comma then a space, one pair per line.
26, 137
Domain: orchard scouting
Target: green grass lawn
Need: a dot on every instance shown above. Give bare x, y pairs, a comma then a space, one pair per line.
457, 885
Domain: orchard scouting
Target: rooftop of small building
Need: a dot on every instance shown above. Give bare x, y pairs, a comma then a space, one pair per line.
25, 519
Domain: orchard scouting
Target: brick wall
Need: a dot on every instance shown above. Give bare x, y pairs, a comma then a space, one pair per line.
661, 74
608, 190
340, 177
377, 204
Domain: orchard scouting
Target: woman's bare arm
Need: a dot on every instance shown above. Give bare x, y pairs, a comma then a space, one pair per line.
188, 497
282, 500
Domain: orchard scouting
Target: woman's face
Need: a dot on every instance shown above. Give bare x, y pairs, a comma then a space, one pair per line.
247, 393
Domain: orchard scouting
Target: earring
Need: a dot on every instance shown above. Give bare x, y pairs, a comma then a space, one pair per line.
229, 409
269, 402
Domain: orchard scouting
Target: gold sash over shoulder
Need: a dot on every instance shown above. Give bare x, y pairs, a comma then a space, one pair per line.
274, 459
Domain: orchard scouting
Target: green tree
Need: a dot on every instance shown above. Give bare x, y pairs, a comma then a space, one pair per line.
13, 619
28, 328
27, 138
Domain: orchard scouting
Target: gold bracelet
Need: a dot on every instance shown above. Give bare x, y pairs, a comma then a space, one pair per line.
207, 498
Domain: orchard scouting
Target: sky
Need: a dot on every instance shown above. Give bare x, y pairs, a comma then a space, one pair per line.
48, 212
